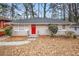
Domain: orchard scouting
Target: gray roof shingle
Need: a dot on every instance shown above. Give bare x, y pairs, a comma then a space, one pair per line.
41, 21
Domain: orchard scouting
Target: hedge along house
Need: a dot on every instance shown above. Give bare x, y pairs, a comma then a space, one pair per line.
39, 26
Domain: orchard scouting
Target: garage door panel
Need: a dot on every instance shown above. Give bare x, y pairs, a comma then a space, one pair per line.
43, 30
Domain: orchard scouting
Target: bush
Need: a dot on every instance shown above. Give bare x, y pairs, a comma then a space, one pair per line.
53, 29
70, 34
8, 31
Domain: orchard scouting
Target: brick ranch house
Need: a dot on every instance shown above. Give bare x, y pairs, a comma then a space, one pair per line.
39, 26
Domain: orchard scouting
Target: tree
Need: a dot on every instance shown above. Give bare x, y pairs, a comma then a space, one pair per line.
75, 11
44, 10
26, 8
3, 8
64, 11
13, 7
32, 9
70, 13
53, 10
38, 9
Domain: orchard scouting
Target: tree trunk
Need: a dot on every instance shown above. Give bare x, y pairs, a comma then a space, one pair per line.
64, 11
27, 12
12, 11
38, 9
32, 10
44, 10
75, 17
69, 5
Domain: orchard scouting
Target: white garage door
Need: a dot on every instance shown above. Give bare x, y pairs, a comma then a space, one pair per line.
20, 30
43, 30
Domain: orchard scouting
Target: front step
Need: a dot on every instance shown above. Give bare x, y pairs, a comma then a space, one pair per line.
33, 36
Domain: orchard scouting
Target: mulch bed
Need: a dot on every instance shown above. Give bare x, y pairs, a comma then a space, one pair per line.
56, 46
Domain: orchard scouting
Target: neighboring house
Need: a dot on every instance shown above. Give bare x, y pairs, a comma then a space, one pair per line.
39, 26
3, 23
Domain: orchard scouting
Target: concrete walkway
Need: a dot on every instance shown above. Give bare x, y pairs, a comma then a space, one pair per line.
14, 43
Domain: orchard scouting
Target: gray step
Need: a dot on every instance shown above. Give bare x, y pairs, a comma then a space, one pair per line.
32, 36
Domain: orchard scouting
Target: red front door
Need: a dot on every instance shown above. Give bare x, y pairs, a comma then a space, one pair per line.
33, 29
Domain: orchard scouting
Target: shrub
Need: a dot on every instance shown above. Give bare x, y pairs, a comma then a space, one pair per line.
53, 29
8, 31
70, 34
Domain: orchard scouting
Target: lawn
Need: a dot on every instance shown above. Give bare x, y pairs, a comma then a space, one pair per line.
44, 46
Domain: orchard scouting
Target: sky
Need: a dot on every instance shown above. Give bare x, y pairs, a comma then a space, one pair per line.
22, 10
21, 7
